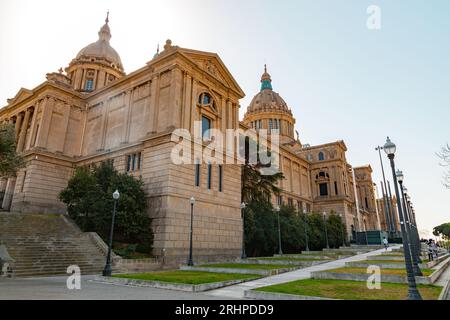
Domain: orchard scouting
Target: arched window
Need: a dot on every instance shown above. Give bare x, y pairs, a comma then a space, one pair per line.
205, 99
321, 156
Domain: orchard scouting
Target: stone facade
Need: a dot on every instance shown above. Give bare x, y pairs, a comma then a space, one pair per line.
95, 112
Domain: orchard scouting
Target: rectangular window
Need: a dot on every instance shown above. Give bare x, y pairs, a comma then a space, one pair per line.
220, 177
280, 200
290, 202
323, 189
367, 203
89, 84
300, 206
206, 125
209, 175
133, 165
270, 125
129, 163
134, 162
308, 207
336, 188
197, 175
139, 161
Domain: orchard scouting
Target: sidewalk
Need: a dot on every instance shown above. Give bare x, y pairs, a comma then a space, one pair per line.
237, 291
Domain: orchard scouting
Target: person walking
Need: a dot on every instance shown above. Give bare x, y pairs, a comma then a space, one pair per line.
385, 243
435, 249
430, 252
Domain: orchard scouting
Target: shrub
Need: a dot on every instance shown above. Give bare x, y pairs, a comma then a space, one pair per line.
90, 204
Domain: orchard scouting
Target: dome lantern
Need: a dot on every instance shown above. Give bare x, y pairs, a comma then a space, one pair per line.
97, 64
266, 80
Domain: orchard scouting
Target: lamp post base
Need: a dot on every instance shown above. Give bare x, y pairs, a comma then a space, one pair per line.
107, 271
413, 294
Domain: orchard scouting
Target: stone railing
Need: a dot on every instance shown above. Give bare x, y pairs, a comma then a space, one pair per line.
98, 241
6, 262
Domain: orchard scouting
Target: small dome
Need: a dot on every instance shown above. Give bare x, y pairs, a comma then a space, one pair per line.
101, 48
267, 99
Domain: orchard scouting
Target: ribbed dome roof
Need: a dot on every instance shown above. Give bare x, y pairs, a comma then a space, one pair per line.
267, 99
101, 48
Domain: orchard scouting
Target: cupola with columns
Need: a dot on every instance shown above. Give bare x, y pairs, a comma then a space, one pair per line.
269, 111
97, 64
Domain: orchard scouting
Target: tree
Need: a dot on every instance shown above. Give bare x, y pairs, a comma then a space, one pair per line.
444, 155
10, 161
89, 202
255, 185
442, 230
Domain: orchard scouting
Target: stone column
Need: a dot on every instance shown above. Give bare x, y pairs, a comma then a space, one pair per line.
187, 102
44, 125
23, 131
3, 183
127, 119
33, 129
18, 124
9, 192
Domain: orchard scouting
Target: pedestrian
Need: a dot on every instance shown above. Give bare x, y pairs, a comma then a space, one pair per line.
430, 252
385, 242
435, 249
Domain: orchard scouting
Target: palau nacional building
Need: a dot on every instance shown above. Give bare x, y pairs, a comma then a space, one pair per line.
92, 111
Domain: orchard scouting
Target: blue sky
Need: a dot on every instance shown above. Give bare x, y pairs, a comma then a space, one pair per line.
341, 80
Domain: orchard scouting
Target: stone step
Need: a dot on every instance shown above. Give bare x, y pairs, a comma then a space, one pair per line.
44, 245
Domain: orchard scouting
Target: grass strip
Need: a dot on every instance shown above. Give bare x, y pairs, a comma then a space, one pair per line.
187, 277
350, 290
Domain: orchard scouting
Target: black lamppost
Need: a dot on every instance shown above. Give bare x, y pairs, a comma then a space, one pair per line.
108, 270
415, 231
277, 210
244, 255
326, 231
190, 262
306, 229
413, 293
387, 204
411, 239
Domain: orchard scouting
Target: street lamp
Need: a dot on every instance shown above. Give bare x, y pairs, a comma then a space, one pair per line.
306, 230
244, 255
108, 270
190, 262
413, 293
387, 204
326, 231
411, 239
277, 210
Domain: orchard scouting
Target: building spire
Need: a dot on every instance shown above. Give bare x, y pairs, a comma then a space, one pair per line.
105, 33
266, 80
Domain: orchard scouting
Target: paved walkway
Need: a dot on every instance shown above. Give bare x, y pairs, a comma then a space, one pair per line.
445, 276
237, 291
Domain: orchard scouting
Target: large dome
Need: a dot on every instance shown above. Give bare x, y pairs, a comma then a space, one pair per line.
101, 49
267, 100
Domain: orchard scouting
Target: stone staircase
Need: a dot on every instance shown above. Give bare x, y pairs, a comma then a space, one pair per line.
45, 245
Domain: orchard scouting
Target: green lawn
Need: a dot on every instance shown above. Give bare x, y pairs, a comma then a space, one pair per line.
401, 272
290, 259
187, 277
248, 266
351, 290
382, 261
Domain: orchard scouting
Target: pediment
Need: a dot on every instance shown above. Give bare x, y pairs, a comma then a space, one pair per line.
213, 65
20, 96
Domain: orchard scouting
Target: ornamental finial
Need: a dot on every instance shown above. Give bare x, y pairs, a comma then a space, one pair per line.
107, 17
